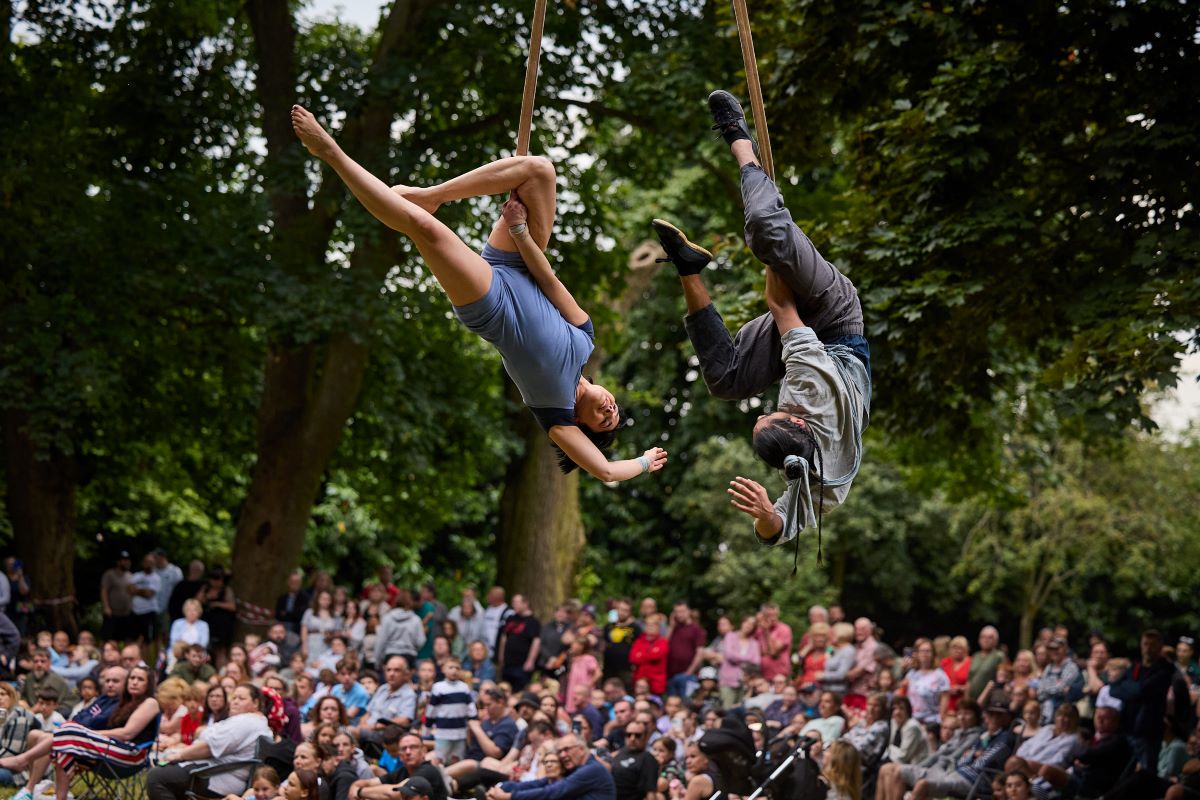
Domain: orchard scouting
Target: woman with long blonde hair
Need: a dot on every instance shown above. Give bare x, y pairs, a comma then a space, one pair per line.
843, 772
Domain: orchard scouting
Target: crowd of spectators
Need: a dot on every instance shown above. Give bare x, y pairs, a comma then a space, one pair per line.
380, 689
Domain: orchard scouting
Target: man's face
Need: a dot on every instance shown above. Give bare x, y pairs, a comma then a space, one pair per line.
395, 672
770, 615
148, 563
995, 720
570, 752
61, 641
1057, 654
1106, 721
967, 718
635, 737
1151, 648
682, 614
195, 657
623, 712
293, 583
862, 629
41, 664
519, 606
790, 695
277, 633
346, 678
113, 681
1184, 652
623, 610
412, 752
130, 656
581, 695
560, 614
989, 639
649, 606
495, 596
672, 705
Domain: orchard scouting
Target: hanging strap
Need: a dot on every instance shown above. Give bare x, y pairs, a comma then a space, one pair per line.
531, 75
742, 17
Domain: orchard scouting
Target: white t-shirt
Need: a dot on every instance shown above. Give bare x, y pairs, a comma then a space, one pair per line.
234, 739
141, 580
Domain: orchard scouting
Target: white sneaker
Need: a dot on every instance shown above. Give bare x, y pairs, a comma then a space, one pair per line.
24, 794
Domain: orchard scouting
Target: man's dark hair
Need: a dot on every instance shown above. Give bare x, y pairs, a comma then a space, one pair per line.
48, 695
496, 694
391, 734
781, 438
542, 727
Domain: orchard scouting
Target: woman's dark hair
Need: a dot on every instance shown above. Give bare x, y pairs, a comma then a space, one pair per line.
901, 700
308, 782
129, 703
211, 716
602, 439
256, 696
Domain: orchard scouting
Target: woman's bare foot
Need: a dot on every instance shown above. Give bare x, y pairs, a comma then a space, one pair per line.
311, 134
419, 197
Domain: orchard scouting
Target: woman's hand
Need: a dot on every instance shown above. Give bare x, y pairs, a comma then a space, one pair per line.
657, 458
515, 211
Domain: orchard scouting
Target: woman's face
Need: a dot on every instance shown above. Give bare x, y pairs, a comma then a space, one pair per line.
6, 701
242, 702
1023, 665
661, 754
899, 714
828, 705
324, 601
305, 757
191, 611
958, 652
724, 625
325, 735
1015, 788
339, 596
747, 626
137, 683
924, 655
875, 710
216, 699
263, 790
344, 745
597, 409
291, 788
329, 711
1031, 713
1062, 722
478, 651
549, 706
695, 761
552, 766
820, 641
237, 654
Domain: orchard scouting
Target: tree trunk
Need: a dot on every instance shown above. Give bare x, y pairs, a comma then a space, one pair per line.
309, 390
41, 507
1028, 617
301, 417
541, 528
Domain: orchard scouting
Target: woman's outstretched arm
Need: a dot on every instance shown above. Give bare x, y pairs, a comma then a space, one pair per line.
583, 452
516, 215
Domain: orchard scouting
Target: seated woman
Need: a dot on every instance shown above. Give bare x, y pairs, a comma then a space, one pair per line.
509, 295
327, 709
830, 723
699, 773
14, 731
870, 738
1057, 744
124, 746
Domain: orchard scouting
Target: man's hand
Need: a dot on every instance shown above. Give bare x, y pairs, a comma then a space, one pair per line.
751, 498
657, 458
496, 793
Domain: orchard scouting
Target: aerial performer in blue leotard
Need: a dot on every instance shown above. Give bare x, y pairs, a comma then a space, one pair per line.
509, 294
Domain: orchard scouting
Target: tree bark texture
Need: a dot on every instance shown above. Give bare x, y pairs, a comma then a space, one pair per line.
542, 534
310, 390
41, 507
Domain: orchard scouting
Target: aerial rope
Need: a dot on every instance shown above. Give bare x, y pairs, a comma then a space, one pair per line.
525, 128
746, 38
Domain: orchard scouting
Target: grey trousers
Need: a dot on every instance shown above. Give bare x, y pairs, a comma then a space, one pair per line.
746, 364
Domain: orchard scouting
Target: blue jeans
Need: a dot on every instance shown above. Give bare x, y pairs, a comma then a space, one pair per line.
682, 685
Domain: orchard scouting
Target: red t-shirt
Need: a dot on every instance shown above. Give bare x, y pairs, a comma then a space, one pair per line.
649, 661
958, 677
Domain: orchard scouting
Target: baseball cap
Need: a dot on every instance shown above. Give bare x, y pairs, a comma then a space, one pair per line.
707, 674
529, 699
415, 786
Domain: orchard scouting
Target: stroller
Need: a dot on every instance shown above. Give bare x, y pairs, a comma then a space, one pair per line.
782, 771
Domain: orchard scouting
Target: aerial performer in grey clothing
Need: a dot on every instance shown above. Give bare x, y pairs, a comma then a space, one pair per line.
811, 342
508, 295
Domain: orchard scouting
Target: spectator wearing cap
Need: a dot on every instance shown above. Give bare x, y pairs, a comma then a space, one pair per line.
989, 753
708, 692
1143, 694
1059, 679
115, 601
412, 774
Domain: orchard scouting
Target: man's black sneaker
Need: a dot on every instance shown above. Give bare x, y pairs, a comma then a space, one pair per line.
728, 118
688, 258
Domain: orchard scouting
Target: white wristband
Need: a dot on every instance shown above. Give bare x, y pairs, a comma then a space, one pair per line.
645, 462
518, 229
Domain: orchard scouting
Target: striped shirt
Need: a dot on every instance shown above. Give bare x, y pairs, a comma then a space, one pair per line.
450, 706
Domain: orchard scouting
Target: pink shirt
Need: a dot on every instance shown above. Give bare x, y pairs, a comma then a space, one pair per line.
864, 659
781, 664
583, 673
